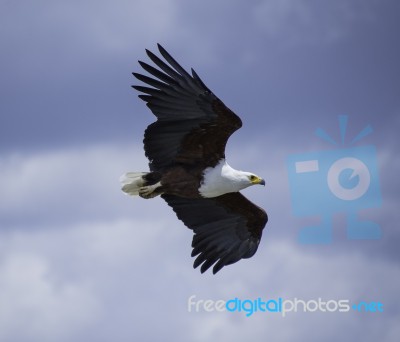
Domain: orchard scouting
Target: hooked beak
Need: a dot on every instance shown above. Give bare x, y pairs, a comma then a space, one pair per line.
262, 181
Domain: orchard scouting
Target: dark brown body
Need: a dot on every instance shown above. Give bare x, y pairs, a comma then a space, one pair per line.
178, 180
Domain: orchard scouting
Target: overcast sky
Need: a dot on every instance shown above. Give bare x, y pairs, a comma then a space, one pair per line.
81, 261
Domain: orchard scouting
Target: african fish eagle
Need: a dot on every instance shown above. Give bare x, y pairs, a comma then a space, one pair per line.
186, 152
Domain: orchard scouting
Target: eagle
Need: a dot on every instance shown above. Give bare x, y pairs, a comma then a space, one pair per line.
188, 169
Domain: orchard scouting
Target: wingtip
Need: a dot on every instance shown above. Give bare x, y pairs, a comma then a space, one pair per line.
204, 267
164, 52
217, 268
198, 79
150, 54
161, 48
137, 76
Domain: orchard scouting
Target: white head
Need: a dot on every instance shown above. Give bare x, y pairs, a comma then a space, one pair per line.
222, 179
247, 179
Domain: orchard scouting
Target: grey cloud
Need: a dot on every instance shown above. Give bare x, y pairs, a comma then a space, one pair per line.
127, 265
41, 188
66, 67
112, 276
70, 125
312, 22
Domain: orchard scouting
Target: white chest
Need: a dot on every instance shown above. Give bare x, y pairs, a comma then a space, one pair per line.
220, 180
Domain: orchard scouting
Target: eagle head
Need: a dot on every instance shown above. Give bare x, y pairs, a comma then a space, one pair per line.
254, 179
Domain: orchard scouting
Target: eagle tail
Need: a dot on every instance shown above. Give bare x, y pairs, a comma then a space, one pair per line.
131, 182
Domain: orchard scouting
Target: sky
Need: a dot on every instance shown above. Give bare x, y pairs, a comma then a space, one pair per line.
81, 261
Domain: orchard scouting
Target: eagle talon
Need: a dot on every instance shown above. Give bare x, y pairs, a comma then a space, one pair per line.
149, 191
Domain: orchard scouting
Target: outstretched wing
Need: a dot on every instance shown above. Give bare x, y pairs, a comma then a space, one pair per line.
226, 228
193, 125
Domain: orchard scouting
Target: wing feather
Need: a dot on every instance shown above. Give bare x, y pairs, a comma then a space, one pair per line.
226, 228
203, 124
158, 74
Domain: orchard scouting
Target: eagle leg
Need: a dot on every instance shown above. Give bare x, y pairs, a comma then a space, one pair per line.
150, 191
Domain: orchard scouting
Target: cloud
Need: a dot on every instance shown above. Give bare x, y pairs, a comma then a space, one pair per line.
290, 272
96, 281
81, 261
66, 65
88, 279
104, 26
308, 21
96, 273
43, 186
47, 310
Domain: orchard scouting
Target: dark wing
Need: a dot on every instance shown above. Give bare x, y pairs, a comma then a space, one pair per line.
193, 125
226, 228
